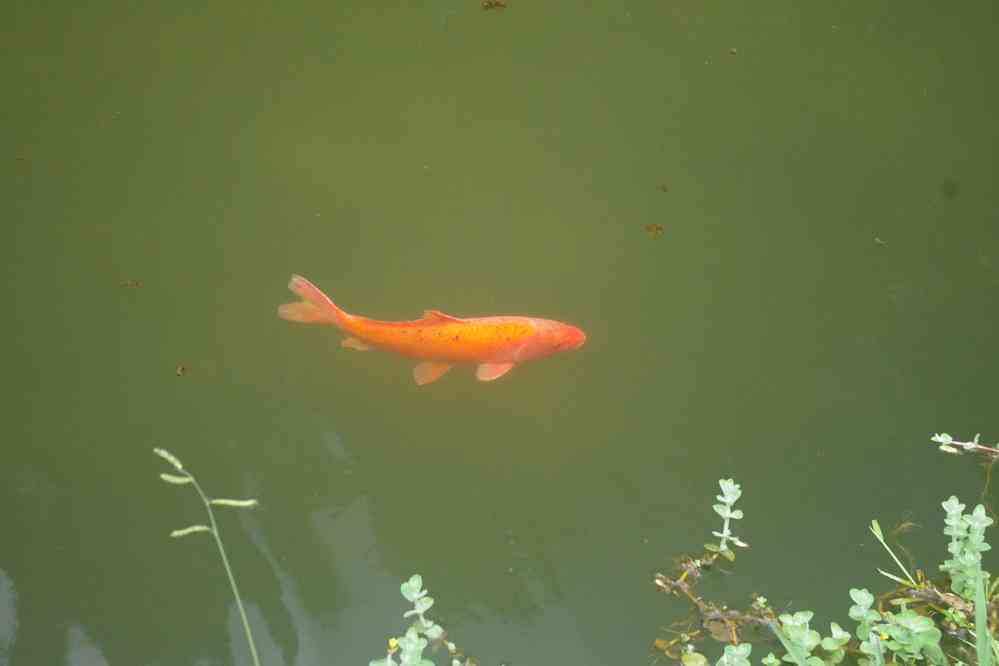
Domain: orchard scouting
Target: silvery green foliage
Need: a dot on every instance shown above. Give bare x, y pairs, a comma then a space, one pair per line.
905, 637
735, 655
946, 442
967, 543
730, 493
420, 634
911, 636
413, 592
885, 637
800, 638
862, 613
835, 645
950, 445
908, 635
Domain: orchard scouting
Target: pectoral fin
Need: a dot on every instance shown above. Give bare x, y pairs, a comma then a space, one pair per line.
429, 371
354, 343
490, 371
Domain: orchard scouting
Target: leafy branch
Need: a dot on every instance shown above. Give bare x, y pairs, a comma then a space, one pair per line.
921, 620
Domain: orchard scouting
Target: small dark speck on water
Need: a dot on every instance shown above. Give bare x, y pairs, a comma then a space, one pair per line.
950, 188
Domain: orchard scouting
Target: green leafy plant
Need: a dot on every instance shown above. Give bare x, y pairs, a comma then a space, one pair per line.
183, 478
919, 621
967, 543
797, 637
736, 655
730, 494
422, 633
862, 612
950, 445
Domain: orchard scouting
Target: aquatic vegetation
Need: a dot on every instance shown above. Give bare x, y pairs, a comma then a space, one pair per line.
730, 494
184, 477
409, 647
423, 633
952, 620
950, 445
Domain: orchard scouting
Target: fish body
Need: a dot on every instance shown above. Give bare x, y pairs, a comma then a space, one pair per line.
438, 340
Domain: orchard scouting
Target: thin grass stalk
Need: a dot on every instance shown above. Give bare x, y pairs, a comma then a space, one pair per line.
189, 478
228, 569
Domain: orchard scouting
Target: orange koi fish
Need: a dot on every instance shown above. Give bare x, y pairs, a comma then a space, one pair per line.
440, 341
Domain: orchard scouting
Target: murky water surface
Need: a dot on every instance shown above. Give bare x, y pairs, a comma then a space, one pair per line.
819, 298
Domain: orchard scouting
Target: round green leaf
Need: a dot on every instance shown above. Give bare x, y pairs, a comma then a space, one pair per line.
693, 659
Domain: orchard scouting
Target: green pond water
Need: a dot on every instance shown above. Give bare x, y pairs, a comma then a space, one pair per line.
821, 299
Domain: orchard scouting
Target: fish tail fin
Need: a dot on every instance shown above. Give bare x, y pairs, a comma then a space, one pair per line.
315, 306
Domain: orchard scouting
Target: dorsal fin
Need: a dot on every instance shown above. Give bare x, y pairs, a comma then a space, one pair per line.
437, 315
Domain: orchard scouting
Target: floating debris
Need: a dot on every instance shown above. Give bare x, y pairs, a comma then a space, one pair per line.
181, 370
131, 284
950, 188
494, 4
654, 230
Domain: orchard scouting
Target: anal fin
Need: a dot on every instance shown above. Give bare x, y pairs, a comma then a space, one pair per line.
429, 371
354, 343
487, 372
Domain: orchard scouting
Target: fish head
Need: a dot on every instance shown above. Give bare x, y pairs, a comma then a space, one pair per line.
570, 338
552, 337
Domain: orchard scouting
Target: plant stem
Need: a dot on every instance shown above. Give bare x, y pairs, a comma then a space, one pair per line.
792, 650
228, 569
983, 637
876, 531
